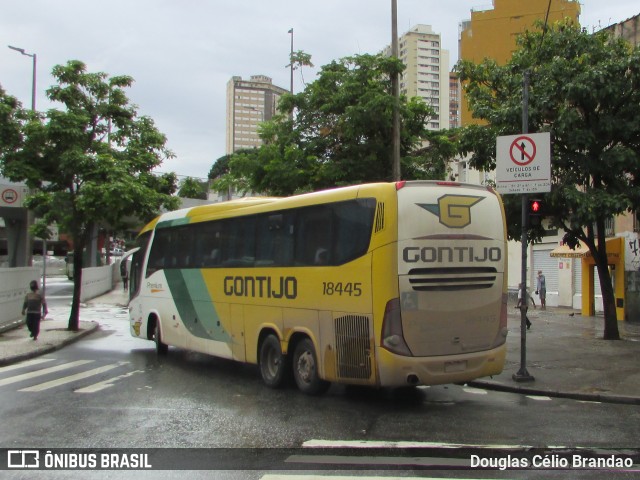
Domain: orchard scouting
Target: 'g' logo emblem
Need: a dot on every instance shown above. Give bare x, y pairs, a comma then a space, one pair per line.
454, 211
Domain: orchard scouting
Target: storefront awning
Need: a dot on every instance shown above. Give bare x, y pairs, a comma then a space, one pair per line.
564, 251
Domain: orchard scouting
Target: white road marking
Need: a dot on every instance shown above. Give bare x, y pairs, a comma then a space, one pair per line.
28, 363
96, 387
44, 371
402, 444
72, 378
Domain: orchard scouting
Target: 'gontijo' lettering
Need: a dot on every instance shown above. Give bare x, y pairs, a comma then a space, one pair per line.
451, 254
261, 287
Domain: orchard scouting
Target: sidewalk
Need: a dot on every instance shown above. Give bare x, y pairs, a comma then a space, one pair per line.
16, 345
566, 355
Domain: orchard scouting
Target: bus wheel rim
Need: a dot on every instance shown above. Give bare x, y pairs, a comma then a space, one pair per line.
306, 366
273, 363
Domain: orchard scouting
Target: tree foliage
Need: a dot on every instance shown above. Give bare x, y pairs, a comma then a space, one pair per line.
585, 90
193, 188
11, 117
337, 132
91, 161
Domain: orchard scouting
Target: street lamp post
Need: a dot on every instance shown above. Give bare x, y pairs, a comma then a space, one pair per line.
30, 218
291, 60
395, 84
33, 82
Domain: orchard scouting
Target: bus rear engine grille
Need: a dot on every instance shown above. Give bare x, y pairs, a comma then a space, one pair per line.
353, 348
452, 279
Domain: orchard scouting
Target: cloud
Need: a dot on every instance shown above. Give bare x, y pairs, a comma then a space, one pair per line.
182, 54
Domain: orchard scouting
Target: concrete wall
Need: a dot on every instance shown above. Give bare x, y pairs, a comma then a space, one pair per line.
14, 285
96, 281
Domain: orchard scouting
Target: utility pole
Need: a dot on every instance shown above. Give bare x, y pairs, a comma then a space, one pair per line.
28, 256
523, 375
395, 85
291, 60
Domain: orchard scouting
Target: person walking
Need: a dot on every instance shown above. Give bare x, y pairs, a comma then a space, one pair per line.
525, 305
541, 290
35, 308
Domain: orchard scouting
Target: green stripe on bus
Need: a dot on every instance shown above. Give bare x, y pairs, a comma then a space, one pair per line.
196, 310
174, 223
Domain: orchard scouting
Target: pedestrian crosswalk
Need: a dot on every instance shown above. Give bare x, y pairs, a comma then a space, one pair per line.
35, 370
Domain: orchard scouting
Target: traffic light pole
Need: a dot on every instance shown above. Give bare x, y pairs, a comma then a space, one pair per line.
523, 375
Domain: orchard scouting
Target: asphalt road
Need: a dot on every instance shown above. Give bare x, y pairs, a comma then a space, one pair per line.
111, 390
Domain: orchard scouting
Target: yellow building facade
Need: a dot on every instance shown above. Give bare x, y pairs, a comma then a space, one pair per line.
492, 33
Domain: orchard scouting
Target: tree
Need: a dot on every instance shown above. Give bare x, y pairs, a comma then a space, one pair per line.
11, 117
335, 132
91, 162
585, 90
193, 188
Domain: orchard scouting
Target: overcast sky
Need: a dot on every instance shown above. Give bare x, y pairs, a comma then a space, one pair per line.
182, 53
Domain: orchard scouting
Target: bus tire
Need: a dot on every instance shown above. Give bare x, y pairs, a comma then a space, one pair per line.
161, 348
273, 364
305, 369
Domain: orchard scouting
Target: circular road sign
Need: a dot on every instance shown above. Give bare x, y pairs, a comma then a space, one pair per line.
522, 150
9, 196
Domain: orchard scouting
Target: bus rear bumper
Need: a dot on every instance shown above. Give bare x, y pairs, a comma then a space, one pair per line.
396, 370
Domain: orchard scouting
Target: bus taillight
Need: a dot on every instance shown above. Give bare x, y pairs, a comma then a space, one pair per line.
400, 184
392, 334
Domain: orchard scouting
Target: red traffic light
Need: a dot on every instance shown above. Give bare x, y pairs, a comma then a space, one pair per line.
535, 211
535, 206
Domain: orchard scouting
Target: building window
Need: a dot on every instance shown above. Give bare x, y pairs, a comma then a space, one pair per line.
609, 227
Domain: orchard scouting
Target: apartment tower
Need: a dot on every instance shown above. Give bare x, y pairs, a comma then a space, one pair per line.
427, 71
492, 33
249, 103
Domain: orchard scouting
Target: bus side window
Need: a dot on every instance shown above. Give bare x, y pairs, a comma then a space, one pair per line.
314, 233
354, 221
207, 250
274, 240
238, 248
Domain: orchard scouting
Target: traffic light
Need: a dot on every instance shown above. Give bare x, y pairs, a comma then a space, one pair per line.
535, 211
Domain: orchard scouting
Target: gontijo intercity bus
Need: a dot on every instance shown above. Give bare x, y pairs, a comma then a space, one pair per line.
387, 284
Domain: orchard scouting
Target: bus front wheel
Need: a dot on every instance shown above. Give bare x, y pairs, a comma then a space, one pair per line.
305, 369
273, 363
161, 348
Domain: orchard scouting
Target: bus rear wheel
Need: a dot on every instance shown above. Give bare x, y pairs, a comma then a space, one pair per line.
305, 369
161, 348
273, 364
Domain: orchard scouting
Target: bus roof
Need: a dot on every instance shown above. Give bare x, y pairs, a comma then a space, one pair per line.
253, 205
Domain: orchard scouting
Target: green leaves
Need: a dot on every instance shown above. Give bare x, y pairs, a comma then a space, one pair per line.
336, 132
584, 90
91, 159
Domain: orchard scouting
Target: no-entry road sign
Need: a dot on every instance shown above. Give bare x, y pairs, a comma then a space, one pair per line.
523, 163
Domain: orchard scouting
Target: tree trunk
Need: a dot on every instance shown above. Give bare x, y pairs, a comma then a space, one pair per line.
609, 303
74, 316
608, 300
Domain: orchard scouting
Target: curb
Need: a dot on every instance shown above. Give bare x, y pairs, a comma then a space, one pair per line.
540, 392
8, 326
51, 348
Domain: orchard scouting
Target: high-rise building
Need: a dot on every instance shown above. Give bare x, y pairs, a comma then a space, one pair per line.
427, 71
454, 100
492, 33
249, 103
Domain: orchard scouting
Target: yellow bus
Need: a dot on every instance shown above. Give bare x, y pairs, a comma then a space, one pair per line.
387, 284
